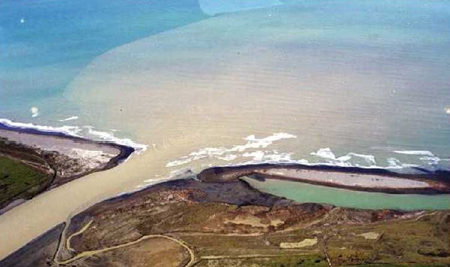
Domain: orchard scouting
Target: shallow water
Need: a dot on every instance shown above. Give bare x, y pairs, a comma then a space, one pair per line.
366, 78
339, 82
306, 193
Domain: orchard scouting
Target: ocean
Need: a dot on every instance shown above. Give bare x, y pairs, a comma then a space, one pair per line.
343, 83
45, 44
194, 84
357, 83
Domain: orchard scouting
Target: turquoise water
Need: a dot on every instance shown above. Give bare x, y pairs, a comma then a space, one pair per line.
347, 80
45, 44
224, 82
356, 77
306, 193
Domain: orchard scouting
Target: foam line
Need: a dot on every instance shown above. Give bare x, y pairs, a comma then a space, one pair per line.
415, 152
69, 119
67, 130
73, 131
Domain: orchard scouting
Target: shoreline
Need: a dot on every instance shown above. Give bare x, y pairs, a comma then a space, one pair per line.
65, 157
437, 184
85, 194
126, 151
248, 212
430, 183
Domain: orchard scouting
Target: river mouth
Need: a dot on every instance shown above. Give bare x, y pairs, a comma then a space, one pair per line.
348, 79
302, 192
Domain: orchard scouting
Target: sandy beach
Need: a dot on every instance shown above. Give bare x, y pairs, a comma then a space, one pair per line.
53, 207
359, 179
64, 157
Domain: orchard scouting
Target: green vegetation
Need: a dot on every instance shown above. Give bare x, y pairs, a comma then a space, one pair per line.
421, 240
298, 261
282, 261
18, 180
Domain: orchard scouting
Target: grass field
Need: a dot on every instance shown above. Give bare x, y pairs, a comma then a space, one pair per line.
18, 180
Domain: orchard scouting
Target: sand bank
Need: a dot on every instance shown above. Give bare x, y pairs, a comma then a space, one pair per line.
212, 83
360, 179
64, 157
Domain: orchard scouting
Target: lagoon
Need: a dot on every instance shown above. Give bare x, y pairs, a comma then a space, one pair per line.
306, 193
350, 83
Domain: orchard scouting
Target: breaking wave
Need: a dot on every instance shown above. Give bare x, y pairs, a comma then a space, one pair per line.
73, 131
230, 154
415, 152
255, 150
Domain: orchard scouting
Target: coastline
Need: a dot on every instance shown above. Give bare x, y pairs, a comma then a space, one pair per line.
62, 156
87, 193
126, 151
426, 183
436, 179
215, 211
343, 83
433, 182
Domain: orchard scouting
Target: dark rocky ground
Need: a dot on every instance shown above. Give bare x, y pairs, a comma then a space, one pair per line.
193, 223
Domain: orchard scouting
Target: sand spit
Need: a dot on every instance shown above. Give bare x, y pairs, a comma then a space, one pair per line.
91, 153
222, 221
196, 87
66, 158
372, 180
